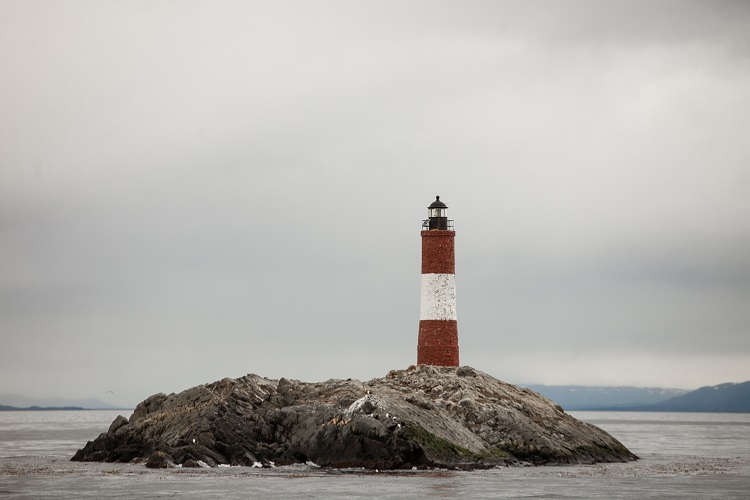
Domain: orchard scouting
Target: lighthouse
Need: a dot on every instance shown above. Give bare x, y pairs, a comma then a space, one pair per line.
438, 328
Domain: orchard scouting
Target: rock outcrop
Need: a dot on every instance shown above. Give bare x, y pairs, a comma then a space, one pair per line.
423, 416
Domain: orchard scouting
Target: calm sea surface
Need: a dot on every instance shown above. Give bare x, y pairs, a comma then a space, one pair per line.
683, 455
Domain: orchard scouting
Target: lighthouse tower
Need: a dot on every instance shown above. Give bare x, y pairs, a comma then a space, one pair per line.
438, 328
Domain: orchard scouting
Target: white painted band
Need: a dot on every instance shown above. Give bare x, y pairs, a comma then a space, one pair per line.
438, 299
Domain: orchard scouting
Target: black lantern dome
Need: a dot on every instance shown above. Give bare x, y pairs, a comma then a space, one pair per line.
437, 203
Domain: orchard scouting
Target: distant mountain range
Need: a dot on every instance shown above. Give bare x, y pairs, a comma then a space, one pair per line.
729, 398
580, 397
39, 408
15, 402
725, 398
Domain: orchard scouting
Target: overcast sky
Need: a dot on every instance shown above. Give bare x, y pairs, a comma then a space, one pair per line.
196, 190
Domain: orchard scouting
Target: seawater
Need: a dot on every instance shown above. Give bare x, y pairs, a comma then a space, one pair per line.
683, 455
707, 434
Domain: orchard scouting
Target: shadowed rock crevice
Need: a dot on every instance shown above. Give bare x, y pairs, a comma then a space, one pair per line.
423, 416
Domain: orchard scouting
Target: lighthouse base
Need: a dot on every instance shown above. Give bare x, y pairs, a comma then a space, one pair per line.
438, 343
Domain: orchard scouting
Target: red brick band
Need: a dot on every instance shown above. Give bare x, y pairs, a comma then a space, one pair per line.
438, 342
438, 252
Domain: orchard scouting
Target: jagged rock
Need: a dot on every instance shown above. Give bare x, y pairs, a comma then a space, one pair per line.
117, 423
423, 416
160, 460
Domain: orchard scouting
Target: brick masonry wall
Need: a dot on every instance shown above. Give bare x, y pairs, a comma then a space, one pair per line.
438, 343
438, 252
438, 337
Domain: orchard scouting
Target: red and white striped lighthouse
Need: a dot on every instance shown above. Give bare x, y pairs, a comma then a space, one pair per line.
438, 327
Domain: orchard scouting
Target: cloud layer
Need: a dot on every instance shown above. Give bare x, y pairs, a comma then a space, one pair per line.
191, 191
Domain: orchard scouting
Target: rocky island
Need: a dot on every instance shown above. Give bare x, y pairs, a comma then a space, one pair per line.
424, 416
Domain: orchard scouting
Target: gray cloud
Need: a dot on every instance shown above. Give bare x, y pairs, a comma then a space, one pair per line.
201, 191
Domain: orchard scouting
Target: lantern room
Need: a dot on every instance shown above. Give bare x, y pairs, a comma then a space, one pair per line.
438, 217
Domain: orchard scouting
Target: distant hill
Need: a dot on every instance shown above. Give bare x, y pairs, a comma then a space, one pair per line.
722, 398
23, 402
579, 397
39, 408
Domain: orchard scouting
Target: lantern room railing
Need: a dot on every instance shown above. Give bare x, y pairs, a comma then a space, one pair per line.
426, 225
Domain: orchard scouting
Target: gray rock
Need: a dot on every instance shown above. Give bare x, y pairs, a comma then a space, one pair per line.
423, 416
160, 460
117, 423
